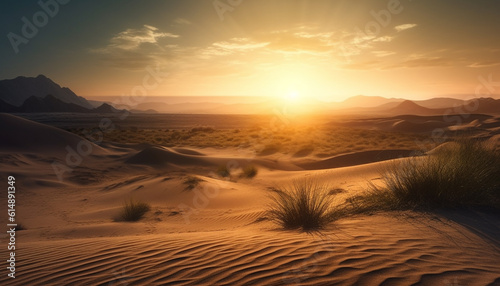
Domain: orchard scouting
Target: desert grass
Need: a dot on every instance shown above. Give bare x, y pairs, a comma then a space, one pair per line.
223, 171
320, 142
249, 171
462, 174
134, 210
191, 182
305, 204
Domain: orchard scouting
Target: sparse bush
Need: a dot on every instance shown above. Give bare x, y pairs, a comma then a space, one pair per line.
305, 204
134, 210
191, 182
202, 129
249, 171
466, 173
223, 171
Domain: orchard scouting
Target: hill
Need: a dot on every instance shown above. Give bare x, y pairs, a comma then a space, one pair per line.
50, 104
410, 107
17, 91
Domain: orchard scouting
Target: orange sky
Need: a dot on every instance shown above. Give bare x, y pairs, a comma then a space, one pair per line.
328, 50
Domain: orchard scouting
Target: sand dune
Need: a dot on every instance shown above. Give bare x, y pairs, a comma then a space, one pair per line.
417, 127
356, 158
21, 135
164, 156
158, 156
427, 124
377, 251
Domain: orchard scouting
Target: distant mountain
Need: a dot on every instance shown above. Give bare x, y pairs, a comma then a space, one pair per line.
16, 91
362, 101
383, 103
410, 107
440, 102
481, 105
50, 104
105, 108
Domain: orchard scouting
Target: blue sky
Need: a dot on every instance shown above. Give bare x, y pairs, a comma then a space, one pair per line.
324, 49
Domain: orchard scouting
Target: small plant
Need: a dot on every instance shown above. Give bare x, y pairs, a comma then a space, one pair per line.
206, 129
223, 171
191, 182
134, 210
305, 204
462, 174
249, 171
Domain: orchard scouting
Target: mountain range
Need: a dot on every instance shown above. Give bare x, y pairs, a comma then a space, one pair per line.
16, 91
49, 104
41, 94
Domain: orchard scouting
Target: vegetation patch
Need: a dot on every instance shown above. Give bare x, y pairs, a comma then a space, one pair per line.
465, 173
304, 205
134, 210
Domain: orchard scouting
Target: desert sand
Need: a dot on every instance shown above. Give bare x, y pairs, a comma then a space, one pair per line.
218, 233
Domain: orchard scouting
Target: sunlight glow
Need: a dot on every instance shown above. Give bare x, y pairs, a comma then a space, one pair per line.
293, 96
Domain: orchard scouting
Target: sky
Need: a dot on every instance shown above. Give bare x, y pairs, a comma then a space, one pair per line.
323, 49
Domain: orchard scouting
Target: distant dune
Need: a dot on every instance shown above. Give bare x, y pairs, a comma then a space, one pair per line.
25, 136
357, 158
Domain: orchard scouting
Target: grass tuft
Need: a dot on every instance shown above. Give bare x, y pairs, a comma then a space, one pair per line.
134, 210
191, 182
461, 174
249, 171
223, 171
305, 204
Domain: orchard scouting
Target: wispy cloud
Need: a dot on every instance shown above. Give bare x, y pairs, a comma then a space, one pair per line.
240, 44
300, 40
135, 48
133, 38
405, 27
182, 21
423, 62
484, 64
381, 54
383, 39
234, 46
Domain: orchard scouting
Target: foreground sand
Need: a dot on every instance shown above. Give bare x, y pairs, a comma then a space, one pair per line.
217, 233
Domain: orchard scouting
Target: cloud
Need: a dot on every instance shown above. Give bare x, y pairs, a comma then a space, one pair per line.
233, 46
300, 40
405, 27
383, 39
381, 54
484, 64
133, 38
240, 44
413, 61
182, 21
423, 62
136, 48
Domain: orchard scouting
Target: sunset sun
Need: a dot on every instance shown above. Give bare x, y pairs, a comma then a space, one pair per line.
292, 96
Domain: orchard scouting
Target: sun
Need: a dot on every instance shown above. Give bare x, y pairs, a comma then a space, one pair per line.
292, 96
